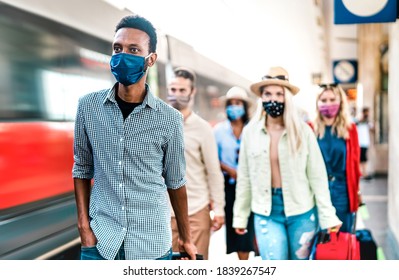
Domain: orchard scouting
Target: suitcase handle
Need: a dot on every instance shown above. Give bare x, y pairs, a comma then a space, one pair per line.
180, 255
333, 237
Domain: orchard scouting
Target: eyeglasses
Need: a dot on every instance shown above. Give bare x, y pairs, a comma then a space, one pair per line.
278, 77
330, 85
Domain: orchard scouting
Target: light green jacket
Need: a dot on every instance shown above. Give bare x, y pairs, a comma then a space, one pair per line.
304, 177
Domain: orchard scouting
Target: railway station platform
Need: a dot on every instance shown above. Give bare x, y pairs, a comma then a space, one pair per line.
372, 216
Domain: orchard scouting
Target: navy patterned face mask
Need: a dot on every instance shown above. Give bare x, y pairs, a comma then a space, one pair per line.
274, 108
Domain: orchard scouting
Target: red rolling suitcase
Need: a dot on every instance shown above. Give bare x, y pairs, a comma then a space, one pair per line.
337, 246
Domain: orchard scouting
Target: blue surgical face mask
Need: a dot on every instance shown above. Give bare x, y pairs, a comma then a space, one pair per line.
234, 112
127, 68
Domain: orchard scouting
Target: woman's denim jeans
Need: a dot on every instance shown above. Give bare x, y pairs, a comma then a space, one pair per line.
285, 238
91, 253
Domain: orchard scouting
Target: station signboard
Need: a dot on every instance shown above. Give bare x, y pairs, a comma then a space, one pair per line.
345, 71
365, 11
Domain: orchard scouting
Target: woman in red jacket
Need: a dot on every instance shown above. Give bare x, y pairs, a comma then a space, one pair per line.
338, 141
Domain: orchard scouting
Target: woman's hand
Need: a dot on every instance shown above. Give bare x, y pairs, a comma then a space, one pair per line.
334, 229
241, 231
360, 199
217, 223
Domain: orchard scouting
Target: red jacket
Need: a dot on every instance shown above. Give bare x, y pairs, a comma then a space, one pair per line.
353, 168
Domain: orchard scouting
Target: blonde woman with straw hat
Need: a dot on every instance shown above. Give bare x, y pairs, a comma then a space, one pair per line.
281, 175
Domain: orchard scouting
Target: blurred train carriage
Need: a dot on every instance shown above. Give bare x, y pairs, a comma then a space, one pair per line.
52, 52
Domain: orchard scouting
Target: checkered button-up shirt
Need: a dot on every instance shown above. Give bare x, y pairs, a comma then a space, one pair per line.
133, 162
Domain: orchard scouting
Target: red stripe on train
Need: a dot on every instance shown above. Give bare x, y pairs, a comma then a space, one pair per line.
36, 161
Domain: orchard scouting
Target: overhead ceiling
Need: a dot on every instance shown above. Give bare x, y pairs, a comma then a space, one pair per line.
247, 36
250, 36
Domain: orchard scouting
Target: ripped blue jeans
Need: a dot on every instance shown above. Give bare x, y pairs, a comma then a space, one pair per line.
285, 238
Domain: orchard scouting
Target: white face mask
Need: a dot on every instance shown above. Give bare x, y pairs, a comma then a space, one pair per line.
179, 102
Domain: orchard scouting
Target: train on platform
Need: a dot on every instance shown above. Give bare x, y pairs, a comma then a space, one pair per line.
51, 53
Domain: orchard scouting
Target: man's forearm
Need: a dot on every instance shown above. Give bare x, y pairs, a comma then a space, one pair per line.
82, 197
178, 199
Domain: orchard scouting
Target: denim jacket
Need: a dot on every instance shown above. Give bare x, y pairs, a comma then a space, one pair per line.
304, 177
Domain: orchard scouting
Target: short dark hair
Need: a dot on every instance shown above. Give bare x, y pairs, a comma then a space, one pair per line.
186, 73
138, 22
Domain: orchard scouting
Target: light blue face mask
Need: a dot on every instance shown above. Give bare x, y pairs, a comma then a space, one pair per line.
127, 68
234, 112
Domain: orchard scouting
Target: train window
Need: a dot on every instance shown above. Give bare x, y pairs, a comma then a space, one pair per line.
69, 87
46, 67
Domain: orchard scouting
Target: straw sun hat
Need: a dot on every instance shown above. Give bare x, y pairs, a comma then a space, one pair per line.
275, 76
237, 92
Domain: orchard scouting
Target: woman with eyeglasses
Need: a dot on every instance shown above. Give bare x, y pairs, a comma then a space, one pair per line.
338, 140
228, 139
281, 175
